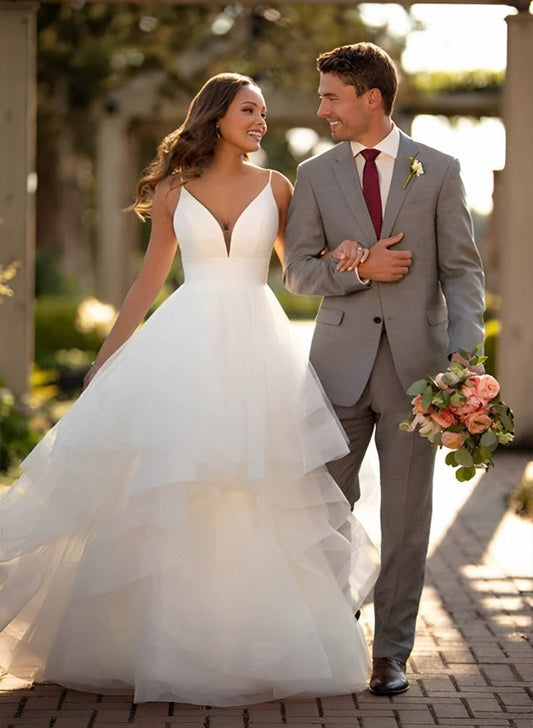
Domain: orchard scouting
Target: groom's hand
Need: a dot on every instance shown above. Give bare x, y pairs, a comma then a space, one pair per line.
477, 369
384, 264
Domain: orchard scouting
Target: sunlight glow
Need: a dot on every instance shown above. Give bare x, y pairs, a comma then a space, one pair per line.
441, 37
478, 144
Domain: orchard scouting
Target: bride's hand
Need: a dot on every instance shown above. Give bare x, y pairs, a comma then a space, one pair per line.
350, 254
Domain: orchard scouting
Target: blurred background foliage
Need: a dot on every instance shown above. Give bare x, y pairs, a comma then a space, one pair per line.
479, 81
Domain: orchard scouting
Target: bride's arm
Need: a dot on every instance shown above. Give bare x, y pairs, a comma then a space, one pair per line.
282, 190
156, 265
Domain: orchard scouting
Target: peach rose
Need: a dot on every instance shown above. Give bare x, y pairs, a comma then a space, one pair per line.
417, 405
486, 387
453, 440
478, 422
444, 417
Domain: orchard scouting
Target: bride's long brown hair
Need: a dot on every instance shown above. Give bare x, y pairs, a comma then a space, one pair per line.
189, 149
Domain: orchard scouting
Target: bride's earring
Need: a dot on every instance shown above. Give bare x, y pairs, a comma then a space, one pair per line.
217, 130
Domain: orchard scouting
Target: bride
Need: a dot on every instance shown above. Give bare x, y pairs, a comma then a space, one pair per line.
177, 533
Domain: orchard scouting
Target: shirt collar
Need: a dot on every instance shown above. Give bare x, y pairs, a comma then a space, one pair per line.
389, 145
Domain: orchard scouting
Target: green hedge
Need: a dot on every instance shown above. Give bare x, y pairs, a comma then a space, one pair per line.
55, 329
20, 430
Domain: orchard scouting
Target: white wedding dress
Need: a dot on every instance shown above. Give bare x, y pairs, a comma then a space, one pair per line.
177, 533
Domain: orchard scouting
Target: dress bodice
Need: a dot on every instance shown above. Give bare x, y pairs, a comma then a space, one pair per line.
205, 257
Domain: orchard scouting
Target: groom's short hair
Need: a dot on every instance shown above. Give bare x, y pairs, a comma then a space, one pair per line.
364, 66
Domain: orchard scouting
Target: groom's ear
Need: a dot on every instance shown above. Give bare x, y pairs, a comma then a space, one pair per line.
374, 98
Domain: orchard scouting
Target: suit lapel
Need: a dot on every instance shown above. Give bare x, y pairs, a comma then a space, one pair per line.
397, 193
345, 171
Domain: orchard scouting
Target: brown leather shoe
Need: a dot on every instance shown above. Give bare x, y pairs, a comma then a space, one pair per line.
388, 676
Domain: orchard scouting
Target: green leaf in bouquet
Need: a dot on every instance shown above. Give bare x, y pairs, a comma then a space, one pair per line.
450, 459
438, 400
507, 421
489, 440
505, 415
417, 387
456, 399
405, 425
463, 457
464, 474
481, 455
477, 358
427, 397
474, 358
471, 442
458, 369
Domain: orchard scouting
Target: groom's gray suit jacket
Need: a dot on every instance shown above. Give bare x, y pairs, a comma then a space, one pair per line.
434, 310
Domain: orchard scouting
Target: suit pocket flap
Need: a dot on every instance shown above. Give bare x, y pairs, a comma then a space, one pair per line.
330, 316
437, 315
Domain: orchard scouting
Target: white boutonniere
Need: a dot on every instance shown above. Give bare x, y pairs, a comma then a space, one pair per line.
415, 170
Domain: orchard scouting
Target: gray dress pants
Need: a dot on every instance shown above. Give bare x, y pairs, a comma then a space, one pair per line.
406, 462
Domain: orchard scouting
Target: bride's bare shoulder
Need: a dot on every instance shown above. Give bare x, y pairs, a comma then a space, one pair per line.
167, 192
281, 186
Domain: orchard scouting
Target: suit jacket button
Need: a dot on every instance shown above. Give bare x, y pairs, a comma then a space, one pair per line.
376, 320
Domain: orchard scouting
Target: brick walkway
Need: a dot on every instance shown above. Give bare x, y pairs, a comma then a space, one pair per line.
473, 660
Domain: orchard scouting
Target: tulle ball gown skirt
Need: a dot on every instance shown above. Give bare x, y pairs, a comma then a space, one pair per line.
177, 534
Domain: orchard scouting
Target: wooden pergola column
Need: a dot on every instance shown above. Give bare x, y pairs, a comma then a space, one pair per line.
17, 186
116, 176
515, 230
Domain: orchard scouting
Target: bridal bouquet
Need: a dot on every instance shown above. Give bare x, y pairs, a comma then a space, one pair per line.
463, 412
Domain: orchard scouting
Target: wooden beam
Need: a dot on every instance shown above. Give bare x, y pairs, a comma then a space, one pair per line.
140, 100
519, 4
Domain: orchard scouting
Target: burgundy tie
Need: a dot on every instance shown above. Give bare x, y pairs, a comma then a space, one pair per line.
371, 188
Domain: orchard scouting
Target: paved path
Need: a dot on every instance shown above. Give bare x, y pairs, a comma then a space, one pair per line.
472, 665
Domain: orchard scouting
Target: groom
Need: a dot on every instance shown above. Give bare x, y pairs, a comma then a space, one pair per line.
397, 314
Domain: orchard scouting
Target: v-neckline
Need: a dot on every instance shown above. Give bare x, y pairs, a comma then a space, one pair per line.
228, 245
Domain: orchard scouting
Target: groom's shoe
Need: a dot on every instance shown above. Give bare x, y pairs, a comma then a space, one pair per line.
388, 676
